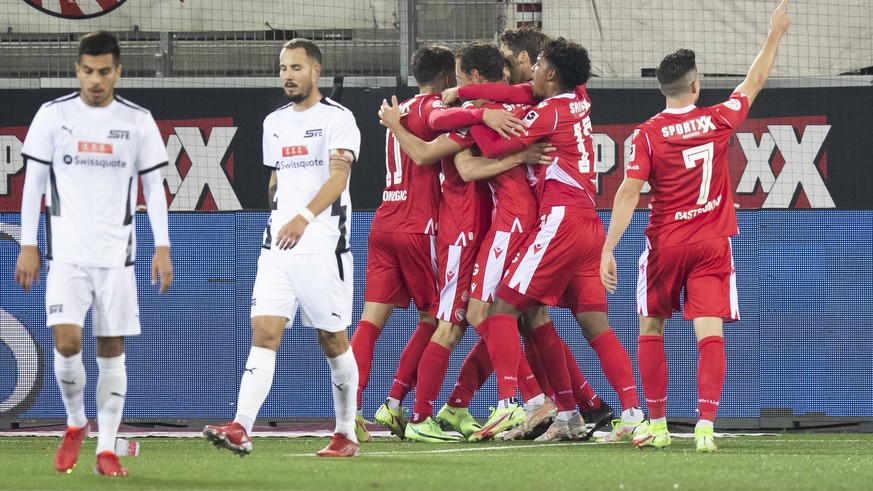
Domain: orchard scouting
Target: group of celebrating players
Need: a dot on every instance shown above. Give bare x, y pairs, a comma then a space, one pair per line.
487, 219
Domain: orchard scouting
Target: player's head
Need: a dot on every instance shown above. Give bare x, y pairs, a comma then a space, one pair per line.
522, 46
677, 75
478, 62
561, 67
299, 68
434, 65
98, 67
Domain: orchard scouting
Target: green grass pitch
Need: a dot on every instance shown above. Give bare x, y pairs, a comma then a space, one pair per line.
787, 461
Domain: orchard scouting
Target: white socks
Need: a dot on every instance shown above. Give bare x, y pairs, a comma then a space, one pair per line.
71, 377
344, 378
111, 391
255, 385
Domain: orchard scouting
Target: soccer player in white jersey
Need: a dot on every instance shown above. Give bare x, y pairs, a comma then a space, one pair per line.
305, 261
682, 153
86, 152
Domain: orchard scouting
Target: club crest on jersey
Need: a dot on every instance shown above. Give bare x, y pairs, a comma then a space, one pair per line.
733, 104
530, 118
295, 150
94, 147
312, 133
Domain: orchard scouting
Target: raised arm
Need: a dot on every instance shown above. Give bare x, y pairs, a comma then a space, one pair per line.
760, 69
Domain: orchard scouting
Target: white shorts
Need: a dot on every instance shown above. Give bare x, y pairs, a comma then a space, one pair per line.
320, 284
110, 293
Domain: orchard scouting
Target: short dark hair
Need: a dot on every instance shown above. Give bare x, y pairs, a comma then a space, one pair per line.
312, 49
484, 57
99, 43
672, 71
527, 38
431, 62
569, 60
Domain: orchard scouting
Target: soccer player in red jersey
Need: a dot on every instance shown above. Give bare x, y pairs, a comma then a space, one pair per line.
559, 264
401, 256
682, 153
521, 47
460, 225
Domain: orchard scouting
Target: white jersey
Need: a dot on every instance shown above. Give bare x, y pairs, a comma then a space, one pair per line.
297, 145
96, 155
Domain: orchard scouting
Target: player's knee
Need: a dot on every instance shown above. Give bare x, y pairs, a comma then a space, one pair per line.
593, 324
333, 343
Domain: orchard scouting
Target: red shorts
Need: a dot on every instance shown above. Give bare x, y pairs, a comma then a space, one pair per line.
559, 264
455, 273
704, 269
402, 266
497, 250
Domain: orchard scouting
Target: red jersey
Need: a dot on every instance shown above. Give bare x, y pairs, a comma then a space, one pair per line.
465, 210
410, 202
682, 153
564, 121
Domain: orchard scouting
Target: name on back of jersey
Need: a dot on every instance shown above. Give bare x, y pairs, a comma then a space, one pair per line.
690, 129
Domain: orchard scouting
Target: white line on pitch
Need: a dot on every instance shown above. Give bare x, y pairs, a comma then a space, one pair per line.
454, 450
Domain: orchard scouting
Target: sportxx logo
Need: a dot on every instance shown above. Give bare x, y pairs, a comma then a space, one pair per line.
312, 133
773, 162
120, 134
93, 147
294, 151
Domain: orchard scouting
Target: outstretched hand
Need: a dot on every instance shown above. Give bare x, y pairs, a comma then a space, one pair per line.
780, 21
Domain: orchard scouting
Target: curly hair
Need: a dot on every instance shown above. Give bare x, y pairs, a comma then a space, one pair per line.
569, 60
673, 70
432, 62
525, 38
482, 56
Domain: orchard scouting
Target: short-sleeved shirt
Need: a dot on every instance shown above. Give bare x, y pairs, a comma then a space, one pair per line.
297, 146
410, 202
96, 155
682, 153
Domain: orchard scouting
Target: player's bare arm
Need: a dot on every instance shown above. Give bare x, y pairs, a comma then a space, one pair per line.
472, 168
623, 207
27, 267
162, 268
339, 169
760, 69
272, 188
420, 151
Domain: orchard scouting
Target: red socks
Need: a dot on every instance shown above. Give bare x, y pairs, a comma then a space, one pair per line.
474, 372
432, 370
653, 372
407, 368
617, 368
363, 343
584, 394
711, 368
550, 348
500, 333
